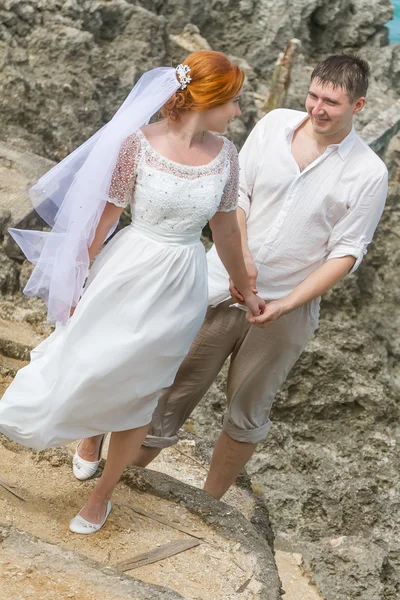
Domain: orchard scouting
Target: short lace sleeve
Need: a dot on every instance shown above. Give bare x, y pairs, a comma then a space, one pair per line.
230, 195
123, 177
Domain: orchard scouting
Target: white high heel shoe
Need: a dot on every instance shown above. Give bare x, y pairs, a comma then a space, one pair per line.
84, 469
80, 525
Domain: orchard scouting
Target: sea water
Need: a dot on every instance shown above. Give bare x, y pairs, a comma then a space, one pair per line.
394, 24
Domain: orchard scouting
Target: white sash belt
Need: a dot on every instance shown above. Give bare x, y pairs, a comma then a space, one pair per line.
179, 238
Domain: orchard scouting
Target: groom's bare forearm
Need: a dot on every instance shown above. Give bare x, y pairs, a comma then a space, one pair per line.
316, 284
319, 282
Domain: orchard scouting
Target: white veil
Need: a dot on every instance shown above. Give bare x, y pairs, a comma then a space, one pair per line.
71, 198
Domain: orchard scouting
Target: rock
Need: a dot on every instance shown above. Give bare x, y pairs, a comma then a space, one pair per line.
19, 170
5, 218
378, 133
190, 40
258, 31
9, 276
63, 569
348, 563
68, 73
226, 520
78, 65
391, 156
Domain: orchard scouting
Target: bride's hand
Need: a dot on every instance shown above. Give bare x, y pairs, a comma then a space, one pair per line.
255, 304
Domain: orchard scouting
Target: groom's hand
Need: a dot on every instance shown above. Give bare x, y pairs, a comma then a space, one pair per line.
272, 312
252, 272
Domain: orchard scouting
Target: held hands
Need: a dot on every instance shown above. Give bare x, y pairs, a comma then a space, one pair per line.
255, 304
267, 313
273, 310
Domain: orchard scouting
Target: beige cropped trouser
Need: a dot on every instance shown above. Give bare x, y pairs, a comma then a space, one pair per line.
260, 362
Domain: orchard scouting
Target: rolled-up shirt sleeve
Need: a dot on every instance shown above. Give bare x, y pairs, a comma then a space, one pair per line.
354, 231
248, 158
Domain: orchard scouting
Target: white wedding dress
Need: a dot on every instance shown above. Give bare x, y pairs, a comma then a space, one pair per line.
144, 301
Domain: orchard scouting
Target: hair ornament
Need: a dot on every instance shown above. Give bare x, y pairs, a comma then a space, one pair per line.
182, 72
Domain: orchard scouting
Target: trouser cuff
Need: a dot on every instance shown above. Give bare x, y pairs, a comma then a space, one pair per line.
250, 436
153, 441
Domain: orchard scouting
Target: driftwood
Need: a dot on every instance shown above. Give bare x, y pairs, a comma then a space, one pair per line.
165, 551
163, 521
10, 489
180, 528
243, 587
281, 77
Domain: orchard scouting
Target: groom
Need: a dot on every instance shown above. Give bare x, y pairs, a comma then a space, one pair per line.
311, 196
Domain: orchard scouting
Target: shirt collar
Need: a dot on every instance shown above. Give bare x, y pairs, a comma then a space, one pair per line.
294, 123
346, 144
343, 148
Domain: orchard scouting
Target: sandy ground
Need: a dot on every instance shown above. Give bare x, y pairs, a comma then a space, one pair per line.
212, 570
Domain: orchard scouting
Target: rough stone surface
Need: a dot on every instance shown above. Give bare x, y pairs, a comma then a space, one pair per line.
50, 572
258, 30
224, 518
67, 69
19, 170
365, 569
379, 132
67, 66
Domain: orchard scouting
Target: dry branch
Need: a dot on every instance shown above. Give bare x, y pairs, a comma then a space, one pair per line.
163, 521
165, 551
9, 488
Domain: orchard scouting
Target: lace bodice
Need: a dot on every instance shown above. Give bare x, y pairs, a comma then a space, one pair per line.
169, 195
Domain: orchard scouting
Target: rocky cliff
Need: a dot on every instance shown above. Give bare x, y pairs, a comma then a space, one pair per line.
67, 65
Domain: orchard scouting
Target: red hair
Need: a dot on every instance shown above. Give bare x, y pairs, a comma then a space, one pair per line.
215, 81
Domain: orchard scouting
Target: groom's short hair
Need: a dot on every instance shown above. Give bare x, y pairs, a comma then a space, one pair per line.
348, 71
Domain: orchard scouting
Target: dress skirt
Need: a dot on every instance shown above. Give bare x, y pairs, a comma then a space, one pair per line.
143, 304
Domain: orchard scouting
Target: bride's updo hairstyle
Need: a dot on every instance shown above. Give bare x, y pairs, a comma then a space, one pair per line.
214, 81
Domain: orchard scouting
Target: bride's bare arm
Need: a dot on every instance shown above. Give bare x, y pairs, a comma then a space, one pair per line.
110, 215
227, 239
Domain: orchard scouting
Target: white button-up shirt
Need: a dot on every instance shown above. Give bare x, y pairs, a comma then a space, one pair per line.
298, 220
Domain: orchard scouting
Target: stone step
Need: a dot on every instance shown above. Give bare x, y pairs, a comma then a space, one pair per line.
17, 339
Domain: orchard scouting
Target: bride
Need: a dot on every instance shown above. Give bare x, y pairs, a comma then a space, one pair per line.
113, 352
